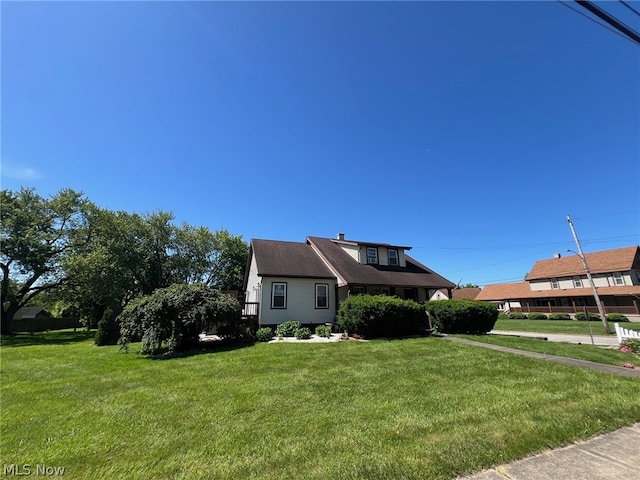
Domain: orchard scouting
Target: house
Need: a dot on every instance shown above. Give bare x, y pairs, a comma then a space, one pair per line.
560, 285
458, 293
307, 281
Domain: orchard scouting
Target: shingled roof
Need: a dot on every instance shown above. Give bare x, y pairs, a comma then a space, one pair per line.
615, 260
520, 290
351, 272
276, 258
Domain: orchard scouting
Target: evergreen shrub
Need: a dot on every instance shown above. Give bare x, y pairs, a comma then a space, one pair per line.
617, 317
559, 316
462, 316
288, 328
537, 316
374, 316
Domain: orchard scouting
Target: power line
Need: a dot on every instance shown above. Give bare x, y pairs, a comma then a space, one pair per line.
629, 7
610, 19
595, 21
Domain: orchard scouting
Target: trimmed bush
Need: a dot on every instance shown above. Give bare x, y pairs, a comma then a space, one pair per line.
537, 316
288, 328
617, 317
264, 334
559, 316
323, 331
592, 316
462, 316
303, 333
108, 329
517, 316
374, 316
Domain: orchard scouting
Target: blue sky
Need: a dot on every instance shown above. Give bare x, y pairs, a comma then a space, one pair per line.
468, 130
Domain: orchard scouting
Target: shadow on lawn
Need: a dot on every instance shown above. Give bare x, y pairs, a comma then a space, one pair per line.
57, 337
204, 349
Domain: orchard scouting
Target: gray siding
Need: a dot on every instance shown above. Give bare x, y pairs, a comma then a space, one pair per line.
300, 301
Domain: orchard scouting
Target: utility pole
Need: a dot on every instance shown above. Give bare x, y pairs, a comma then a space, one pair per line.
603, 316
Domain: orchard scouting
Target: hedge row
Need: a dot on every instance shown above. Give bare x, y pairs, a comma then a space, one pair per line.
381, 316
462, 316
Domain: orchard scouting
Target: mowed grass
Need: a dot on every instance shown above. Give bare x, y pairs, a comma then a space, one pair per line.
411, 409
609, 356
560, 326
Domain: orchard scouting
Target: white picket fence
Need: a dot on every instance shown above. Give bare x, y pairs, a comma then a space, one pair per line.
623, 333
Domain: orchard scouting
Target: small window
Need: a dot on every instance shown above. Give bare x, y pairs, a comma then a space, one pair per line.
618, 278
577, 282
372, 255
322, 295
279, 295
393, 257
357, 291
385, 291
554, 283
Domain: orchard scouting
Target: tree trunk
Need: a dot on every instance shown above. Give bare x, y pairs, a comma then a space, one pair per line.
7, 317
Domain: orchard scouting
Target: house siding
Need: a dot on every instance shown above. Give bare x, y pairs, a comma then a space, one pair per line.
300, 301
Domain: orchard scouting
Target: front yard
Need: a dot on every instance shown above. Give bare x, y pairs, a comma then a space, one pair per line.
416, 408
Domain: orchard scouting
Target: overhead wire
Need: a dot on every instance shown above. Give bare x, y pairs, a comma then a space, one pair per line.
629, 7
598, 23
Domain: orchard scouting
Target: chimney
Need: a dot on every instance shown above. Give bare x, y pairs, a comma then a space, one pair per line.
556, 255
340, 236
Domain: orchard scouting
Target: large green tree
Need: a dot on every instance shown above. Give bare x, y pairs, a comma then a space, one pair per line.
37, 234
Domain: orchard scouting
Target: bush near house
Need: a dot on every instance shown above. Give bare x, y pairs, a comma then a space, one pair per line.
559, 316
592, 316
323, 331
462, 316
264, 334
617, 317
374, 316
288, 328
537, 316
517, 316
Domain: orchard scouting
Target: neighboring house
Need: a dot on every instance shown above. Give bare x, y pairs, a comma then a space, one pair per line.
307, 281
459, 293
466, 293
560, 285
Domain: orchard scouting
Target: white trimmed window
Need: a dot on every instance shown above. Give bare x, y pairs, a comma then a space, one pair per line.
577, 282
618, 278
393, 257
278, 295
322, 295
372, 255
554, 283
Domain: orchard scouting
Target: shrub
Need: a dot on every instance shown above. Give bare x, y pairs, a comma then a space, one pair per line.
517, 316
537, 316
264, 334
173, 317
592, 316
462, 316
617, 317
381, 316
559, 316
303, 333
323, 331
502, 316
108, 329
630, 345
288, 328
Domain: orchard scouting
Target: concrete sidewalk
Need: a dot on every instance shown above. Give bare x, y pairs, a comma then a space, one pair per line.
612, 456
572, 362
598, 340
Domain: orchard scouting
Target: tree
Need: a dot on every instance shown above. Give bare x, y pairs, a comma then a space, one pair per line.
36, 235
230, 261
173, 317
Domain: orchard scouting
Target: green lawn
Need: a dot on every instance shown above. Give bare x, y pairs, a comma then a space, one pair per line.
559, 326
590, 353
412, 409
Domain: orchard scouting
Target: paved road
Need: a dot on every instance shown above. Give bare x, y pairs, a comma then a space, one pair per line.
600, 340
613, 456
